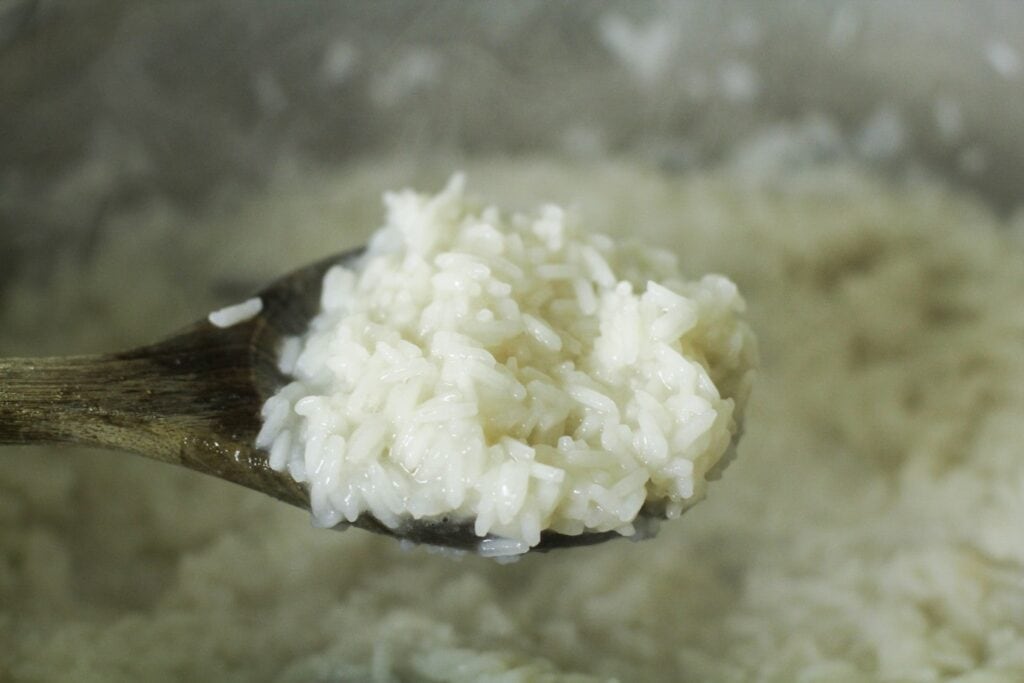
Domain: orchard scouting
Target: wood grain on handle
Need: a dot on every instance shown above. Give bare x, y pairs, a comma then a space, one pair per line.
190, 400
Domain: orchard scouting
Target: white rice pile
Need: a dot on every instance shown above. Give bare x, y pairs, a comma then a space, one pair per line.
516, 370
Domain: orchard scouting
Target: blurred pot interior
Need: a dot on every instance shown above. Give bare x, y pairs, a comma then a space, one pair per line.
105, 103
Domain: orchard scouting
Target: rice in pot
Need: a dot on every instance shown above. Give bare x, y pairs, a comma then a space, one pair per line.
870, 529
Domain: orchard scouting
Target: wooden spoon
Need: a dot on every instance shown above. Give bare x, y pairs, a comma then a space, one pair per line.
194, 399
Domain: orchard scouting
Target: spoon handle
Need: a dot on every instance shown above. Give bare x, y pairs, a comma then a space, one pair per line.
190, 400
146, 401
82, 399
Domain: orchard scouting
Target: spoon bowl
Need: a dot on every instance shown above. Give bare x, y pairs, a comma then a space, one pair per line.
194, 399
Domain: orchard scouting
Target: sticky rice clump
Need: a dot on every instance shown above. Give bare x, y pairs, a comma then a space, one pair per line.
515, 371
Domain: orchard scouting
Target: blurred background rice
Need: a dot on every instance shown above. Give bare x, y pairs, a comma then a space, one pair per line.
161, 159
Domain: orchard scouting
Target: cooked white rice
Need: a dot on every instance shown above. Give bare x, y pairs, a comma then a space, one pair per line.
238, 313
870, 529
518, 371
